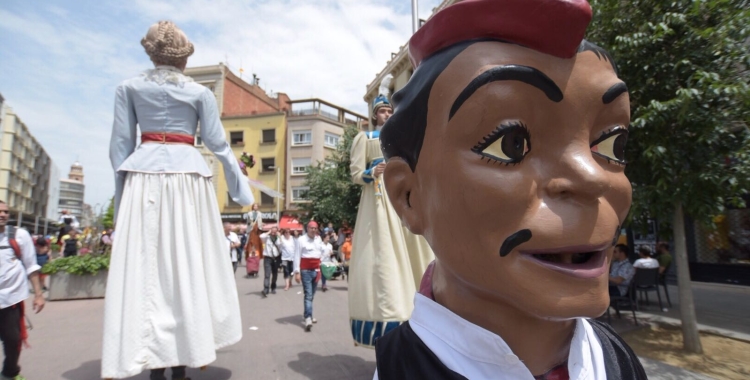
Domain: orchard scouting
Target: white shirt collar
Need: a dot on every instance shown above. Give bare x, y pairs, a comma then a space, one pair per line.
475, 352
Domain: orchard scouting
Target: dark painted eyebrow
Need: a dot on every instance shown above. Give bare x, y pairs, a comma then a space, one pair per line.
616, 90
525, 74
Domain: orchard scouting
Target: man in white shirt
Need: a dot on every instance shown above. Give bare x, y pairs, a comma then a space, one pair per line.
233, 241
645, 261
309, 252
15, 267
271, 260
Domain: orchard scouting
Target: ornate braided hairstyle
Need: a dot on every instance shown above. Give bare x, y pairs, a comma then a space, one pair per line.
166, 44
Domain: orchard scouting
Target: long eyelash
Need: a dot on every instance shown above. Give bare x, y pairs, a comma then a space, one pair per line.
495, 134
618, 129
493, 137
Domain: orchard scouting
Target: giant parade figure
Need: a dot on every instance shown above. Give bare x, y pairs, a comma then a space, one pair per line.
387, 261
171, 295
506, 151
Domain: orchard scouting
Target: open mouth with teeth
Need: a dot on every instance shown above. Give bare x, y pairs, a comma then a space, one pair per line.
565, 258
582, 262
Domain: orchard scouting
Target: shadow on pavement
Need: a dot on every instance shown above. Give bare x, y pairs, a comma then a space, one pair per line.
295, 320
318, 367
91, 370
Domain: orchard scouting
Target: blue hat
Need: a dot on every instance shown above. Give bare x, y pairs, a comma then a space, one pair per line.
380, 101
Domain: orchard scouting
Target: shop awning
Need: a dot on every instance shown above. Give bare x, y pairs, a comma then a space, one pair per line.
291, 223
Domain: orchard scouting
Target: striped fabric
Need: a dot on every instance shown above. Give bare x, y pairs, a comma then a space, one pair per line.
365, 333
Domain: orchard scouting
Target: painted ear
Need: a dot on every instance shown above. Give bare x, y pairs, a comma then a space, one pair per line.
400, 184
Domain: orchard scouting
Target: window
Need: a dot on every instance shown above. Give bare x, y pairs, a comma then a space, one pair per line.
269, 135
236, 138
299, 193
300, 165
331, 140
302, 138
266, 199
267, 165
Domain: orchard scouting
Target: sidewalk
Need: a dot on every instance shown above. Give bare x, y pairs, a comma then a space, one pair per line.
66, 338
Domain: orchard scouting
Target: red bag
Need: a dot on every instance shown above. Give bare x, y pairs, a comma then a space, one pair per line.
253, 265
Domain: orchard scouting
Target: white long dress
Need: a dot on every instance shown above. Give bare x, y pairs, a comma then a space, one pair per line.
387, 260
171, 297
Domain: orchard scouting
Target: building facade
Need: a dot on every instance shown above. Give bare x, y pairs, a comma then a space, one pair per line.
255, 123
24, 173
263, 136
315, 129
72, 192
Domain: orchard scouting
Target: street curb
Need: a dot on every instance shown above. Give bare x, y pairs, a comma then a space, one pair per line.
702, 328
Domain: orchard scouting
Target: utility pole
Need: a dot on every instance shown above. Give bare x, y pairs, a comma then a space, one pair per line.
414, 16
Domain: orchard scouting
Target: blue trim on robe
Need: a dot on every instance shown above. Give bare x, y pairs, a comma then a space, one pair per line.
367, 174
373, 134
366, 333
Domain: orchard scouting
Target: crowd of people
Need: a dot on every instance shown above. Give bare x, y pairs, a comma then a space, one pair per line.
274, 249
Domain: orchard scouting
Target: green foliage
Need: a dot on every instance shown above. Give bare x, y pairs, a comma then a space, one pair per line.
685, 63
333, 195
109, 217
78, 265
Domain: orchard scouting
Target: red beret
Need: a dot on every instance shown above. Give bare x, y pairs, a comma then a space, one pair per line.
554, 27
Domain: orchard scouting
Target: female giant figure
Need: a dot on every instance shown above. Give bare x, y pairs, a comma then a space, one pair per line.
171, 297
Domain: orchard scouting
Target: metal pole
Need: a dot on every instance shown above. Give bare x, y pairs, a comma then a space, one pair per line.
278, 187
36, 225
20, 219
414, 15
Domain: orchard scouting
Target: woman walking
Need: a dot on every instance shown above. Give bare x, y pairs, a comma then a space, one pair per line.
171, 297
288, 248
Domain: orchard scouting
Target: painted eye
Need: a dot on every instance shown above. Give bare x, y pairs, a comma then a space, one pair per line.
509, 144
611, 145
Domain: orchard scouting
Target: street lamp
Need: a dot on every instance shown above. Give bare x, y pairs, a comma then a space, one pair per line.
278, 188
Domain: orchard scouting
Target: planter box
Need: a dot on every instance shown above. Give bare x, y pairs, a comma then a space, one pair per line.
65, 286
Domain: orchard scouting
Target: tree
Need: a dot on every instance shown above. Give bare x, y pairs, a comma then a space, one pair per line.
685, 63
109, 217
332, 194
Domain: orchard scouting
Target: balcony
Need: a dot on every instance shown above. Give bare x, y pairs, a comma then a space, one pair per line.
325, 110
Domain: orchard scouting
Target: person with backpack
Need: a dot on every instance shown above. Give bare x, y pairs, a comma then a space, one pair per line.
17, 263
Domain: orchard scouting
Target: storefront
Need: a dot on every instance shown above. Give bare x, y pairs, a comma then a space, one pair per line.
721, 255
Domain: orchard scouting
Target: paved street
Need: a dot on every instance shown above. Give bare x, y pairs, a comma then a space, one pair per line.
66, 337
66, 340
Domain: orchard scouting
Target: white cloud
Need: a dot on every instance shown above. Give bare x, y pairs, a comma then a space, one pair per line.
60, 63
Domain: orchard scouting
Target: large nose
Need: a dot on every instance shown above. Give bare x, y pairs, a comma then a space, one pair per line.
576, 175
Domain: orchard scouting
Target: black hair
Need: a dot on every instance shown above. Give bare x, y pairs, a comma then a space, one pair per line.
41, 242
403, 133
622, 248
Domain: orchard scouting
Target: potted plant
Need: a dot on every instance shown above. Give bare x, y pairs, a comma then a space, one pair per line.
77, 277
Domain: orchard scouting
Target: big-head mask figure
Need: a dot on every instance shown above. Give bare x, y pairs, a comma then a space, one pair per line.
506, 152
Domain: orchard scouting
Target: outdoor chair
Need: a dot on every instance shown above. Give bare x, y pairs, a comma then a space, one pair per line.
627, 300
645, 281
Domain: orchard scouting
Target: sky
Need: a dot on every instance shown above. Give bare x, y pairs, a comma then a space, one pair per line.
60, 60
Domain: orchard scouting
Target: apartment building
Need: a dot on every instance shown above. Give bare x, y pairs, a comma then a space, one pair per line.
315, 129
72, 191
255, 122
25, 169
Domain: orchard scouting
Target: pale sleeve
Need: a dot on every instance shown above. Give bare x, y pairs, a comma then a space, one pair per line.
28, 253
260, 220
297, 255
212, 134
123, 140
375, 377
361, 175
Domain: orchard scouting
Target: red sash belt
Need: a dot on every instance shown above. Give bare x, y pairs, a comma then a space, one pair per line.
309, 264
168, 138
